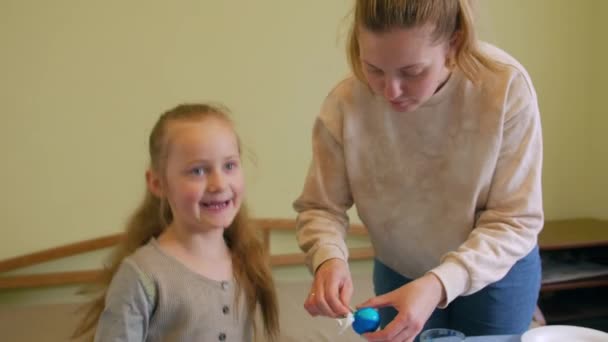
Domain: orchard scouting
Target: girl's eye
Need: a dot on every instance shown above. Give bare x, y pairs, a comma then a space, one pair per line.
230, 165
197, 171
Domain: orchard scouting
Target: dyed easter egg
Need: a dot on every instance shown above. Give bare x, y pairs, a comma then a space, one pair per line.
366, 320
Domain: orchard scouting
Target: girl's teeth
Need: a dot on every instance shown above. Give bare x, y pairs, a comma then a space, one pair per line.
218, 205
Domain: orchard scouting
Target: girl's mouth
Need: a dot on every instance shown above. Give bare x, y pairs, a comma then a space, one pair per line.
215, 205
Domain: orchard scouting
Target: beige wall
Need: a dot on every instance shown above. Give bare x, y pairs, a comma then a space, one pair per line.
599, 117
82, 83
552, 39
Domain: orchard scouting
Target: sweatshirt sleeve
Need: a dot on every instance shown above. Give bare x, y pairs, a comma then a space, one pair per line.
507, 228
128, 306
322, 220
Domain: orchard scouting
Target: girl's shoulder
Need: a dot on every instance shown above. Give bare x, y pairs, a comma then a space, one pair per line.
148, 250
141, 262
132, 281
147, 258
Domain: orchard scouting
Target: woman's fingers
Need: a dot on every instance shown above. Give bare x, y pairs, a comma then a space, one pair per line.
404, 336
325, 296
346, 293
316, 302
399, 329
334, 298
393, 329
310, 304
378, 301
322, 303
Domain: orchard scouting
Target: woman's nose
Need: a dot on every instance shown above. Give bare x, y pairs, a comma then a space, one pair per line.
392, 88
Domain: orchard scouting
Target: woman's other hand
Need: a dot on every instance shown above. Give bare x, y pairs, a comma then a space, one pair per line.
415, 303
331, 290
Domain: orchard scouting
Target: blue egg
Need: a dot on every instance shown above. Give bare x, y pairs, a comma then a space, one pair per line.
366, 320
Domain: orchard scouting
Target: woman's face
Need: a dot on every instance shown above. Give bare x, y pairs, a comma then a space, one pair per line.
405, 66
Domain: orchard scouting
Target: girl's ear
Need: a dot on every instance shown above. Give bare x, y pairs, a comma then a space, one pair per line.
154, 183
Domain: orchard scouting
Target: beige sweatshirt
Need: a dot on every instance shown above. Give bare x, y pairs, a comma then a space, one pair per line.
453, 188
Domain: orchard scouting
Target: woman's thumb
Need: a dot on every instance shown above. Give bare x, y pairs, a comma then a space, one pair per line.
376, 302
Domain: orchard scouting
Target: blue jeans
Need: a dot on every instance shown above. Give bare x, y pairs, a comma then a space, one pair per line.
502, 308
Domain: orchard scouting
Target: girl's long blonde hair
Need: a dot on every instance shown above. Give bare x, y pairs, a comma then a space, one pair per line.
450, 19
250, 259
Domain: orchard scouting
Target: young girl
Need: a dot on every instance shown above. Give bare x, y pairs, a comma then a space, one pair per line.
437, 141
191, 267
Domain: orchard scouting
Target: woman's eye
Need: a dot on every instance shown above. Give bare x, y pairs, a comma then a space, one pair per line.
412, 74
375, 71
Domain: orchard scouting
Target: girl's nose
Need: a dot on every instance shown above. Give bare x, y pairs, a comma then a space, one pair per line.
216, 181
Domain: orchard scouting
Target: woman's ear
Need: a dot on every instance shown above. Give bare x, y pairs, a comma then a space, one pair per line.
154, 183
453, 47
456, 41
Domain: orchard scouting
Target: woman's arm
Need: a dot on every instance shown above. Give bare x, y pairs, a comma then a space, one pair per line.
507, 228
322, 220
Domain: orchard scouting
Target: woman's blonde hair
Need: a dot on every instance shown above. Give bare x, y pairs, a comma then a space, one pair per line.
250, 259
450, 19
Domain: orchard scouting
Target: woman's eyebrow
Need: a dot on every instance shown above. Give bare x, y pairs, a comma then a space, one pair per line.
403, 68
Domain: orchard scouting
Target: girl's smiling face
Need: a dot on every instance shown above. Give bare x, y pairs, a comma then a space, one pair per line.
204, 182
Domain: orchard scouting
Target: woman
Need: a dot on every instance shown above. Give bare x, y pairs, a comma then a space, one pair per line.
436, 140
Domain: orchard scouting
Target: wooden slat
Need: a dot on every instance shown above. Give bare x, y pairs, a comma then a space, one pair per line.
49, 279
110, 240
58, 252
299, 258
287, 259
557, 234
266, 236
289, 225
90, 276
357, 230
361, 253
275, 224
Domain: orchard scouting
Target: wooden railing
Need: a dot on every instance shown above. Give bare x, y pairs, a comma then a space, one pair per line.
88, 276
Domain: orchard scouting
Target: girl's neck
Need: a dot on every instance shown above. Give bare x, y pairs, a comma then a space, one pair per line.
205, 253
208, 244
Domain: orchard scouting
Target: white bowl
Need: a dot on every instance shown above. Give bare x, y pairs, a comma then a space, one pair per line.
563, 333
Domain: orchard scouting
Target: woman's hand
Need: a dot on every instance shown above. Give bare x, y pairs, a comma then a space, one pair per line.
415, 303
331, 290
